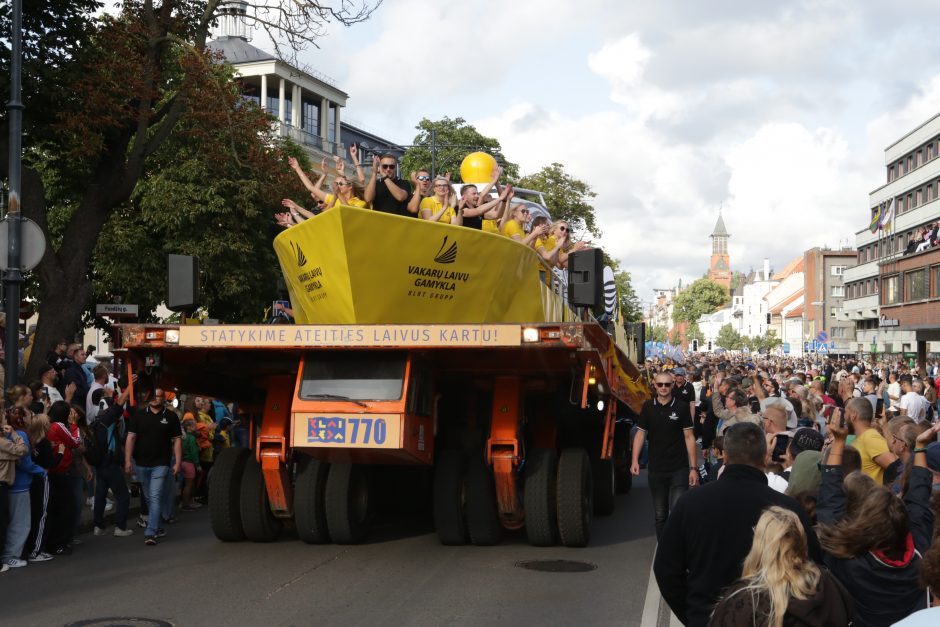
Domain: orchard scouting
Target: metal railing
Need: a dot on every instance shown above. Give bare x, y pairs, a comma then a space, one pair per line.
306, 138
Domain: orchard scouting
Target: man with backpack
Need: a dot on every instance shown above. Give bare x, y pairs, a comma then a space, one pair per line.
106, 453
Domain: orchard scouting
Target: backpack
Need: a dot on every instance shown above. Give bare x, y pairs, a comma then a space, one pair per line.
94, 452
98, 446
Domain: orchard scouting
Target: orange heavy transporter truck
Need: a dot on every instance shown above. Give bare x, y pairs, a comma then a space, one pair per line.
410, 357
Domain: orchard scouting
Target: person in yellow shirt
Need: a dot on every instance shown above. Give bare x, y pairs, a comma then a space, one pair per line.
440, 206
514, 227
551, 245
871, 445
342, 190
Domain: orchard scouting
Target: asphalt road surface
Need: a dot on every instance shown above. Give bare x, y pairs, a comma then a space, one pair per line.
402, 576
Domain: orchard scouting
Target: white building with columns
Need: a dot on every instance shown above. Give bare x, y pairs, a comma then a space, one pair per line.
307, 104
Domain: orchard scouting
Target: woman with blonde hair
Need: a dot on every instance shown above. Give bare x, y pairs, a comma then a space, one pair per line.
440, 205
779, 584
46, 456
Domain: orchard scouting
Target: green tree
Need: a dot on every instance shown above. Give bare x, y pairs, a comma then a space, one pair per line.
454, 139
764, 343
630, 306
121, 86
657, 333
567, 198
694, 333
729, 339
221, 212
704, 296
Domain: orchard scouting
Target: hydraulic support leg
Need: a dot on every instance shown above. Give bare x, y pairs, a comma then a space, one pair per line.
503, 449
272, 449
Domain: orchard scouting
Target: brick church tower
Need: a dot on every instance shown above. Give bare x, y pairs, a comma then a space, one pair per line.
719, 269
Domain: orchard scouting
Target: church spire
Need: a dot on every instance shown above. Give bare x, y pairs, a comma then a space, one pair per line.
719, 269
720, 230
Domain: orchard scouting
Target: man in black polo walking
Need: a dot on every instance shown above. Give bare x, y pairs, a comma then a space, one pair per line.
154, 436
672, 467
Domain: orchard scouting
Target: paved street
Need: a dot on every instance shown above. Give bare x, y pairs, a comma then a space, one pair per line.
402, 577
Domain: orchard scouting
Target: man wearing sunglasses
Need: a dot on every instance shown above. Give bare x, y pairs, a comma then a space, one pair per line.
385, 190
672, 467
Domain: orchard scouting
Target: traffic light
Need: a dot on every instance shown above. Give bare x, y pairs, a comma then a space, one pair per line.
709, 346
768, 318
695, 345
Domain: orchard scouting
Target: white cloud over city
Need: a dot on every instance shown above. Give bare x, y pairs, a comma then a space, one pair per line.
777, 112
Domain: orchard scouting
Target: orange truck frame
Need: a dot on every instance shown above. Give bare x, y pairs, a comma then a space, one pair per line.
521, 426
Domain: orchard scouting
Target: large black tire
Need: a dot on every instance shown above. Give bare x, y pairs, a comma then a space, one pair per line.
258, 521
224, 490
310, 501
348, 502
575, 496
540, 494
449, 497
482, 514
602, 475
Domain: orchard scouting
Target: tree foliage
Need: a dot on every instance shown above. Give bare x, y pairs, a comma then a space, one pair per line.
117, 89
729, 339
567, 198
630, 306
657, 333
704, 296
694, 333
764, 343
455, 138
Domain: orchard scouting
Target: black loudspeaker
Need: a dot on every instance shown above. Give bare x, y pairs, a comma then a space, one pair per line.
637, 331
586, 279
183, 283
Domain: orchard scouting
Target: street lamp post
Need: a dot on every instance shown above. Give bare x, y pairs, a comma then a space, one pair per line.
13, 277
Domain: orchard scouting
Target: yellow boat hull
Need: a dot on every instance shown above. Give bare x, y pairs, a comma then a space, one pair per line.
354, 266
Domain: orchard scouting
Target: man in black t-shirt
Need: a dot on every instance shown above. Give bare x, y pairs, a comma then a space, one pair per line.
154, 437
385, 190
684, 390
667, 423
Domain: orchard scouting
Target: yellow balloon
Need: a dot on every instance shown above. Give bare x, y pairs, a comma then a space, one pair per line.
477, 167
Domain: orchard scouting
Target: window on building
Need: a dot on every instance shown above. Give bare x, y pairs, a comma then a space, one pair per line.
935, 282
910, 163
918, 198
916, 285
890, 293
929, 151
874, 286
833, 311
920, 158
837, 332
838, 291
838, 270
890, 173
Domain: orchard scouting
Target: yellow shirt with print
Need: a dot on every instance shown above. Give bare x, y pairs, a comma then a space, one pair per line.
514, 228
433, 205
870, 445
352, 202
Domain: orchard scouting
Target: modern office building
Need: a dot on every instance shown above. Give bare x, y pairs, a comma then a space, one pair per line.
893, 293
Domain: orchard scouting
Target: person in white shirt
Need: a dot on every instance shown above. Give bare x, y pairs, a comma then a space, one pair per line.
48, 376
894, 393
912, 404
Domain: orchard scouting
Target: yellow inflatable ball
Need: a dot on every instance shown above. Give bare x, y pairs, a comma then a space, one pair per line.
477, 167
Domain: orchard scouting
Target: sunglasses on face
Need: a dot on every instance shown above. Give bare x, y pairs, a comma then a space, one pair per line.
663, 385
387, 166
424, 178
523, 211
342, 184
563, 229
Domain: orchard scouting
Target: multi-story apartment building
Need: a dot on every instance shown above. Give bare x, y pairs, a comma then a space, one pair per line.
824, 272
892, 293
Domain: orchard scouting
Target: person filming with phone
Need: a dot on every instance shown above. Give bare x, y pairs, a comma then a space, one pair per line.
871, 445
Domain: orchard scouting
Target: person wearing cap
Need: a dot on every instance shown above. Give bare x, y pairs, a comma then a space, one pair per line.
48, 375
803, 439
933, 465
684, 391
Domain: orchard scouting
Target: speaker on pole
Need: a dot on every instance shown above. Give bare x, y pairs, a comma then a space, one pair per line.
182, 283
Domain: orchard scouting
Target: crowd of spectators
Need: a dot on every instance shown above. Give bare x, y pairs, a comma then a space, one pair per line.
75, 438
927, 237
821, 484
